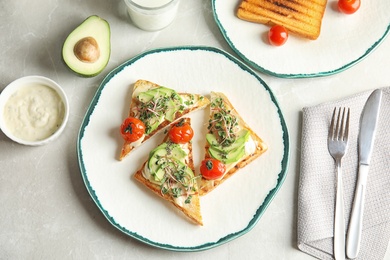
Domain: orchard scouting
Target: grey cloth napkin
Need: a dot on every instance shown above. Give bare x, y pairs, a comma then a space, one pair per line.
317, 180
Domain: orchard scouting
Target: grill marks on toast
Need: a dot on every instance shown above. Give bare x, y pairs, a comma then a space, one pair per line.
302, 17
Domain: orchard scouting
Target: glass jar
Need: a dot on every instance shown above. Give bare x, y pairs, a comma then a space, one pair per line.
152, 15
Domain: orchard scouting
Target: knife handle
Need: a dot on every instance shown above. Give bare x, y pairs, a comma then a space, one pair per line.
356, 222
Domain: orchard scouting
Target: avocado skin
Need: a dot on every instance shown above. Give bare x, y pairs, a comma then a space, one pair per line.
108, 48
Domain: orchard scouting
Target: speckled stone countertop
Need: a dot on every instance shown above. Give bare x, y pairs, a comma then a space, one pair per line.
46, 211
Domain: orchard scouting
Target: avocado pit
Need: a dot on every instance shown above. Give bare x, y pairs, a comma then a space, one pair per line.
87, 50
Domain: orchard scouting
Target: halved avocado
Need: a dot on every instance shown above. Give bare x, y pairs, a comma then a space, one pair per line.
87, 49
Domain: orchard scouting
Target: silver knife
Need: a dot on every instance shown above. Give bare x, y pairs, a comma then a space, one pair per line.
368, 123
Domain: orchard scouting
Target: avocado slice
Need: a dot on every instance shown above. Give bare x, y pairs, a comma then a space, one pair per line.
242, 138
226, 158
162, 91
175, 152
228, 154
87, 49
154, 93
172, 101
159, 174
145, 97
171, 110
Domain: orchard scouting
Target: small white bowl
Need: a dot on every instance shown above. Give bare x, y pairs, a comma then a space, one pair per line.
31, 81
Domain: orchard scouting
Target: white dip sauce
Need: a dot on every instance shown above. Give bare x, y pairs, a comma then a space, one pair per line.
34, 112
152, 15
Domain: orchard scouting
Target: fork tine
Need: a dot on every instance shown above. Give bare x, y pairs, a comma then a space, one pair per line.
338, 126
347, 127
342, 125
331, 128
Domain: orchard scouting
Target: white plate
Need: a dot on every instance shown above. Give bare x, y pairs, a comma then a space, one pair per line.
230, 210
344, 40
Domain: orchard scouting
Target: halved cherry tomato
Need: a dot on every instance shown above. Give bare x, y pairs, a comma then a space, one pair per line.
277, 35
132, 129
212, 169
349, 6
181, 133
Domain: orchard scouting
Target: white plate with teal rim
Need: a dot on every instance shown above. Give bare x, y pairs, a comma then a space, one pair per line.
229, 211
344, 40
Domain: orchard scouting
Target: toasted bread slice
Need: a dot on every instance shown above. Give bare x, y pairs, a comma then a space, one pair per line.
303, 18
184, 102
225, 119
162, 183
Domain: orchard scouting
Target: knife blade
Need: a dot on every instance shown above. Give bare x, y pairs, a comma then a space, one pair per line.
368, 126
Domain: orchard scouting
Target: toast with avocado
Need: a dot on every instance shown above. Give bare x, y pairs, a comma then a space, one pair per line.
169, 173
154, 107
230, 144
303, 18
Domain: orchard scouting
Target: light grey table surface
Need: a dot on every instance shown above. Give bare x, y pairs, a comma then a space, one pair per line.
46, 211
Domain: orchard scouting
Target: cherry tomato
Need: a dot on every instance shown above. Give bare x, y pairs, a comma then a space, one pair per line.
132, 129
277, 35
181, 133
349, 6
212, 169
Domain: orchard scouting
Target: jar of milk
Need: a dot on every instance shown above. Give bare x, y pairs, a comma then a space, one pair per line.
152, 15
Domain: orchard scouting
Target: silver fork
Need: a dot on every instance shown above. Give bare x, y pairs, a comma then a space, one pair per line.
337, 146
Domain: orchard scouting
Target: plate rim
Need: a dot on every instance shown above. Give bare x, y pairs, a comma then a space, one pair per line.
262, 208
259, 68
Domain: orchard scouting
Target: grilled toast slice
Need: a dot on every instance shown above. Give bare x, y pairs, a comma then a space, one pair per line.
244, 147
169, 173
164, 108
301, 17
